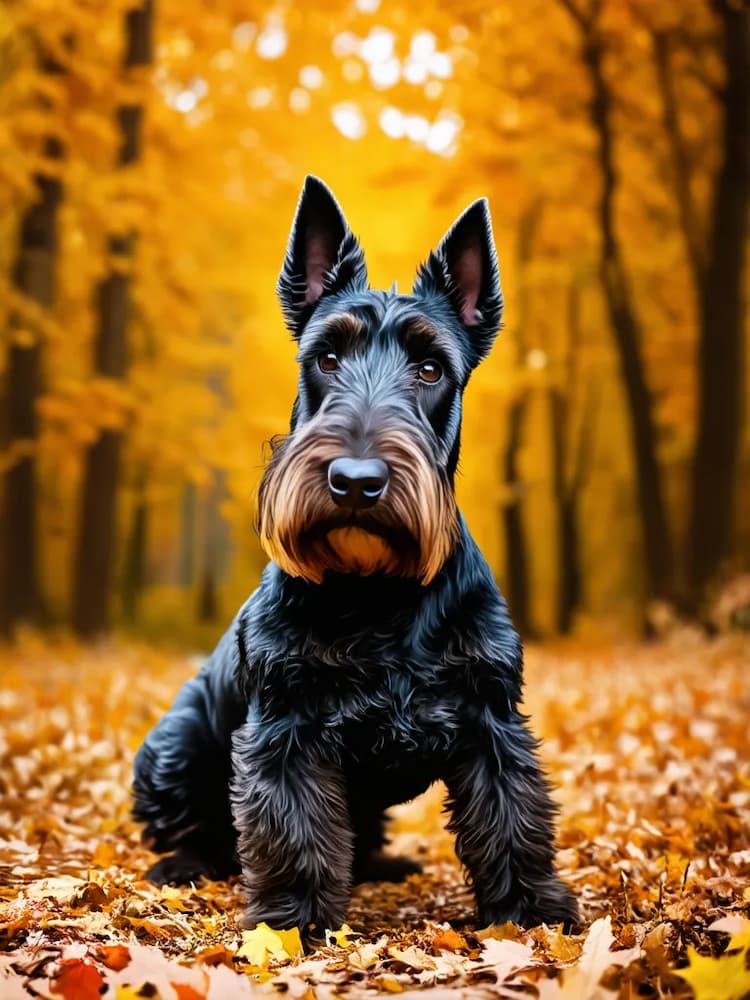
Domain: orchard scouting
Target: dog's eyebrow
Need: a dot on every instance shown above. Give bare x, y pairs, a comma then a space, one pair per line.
345, 323
419, 334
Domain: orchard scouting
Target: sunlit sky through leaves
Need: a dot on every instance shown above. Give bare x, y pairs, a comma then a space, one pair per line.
372, 57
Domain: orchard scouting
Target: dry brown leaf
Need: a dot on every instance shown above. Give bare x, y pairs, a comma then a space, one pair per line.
413, 957
556, 945
501, 932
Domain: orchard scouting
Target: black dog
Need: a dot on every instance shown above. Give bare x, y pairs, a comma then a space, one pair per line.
377, 655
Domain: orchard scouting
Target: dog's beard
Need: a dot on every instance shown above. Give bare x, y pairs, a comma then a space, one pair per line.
361, 551
411, 530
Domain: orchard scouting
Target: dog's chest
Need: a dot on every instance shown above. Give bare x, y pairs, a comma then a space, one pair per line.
392, 714
391, 709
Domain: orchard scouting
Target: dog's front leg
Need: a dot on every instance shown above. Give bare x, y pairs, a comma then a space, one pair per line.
294, 835
503, 818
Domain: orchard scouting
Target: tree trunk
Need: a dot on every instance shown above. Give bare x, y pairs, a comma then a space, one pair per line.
517, 572
134, 573
721, 348
689, 223
516, 561
207, 608
657, 543
568, 572
187, 533
33, 277
96, 540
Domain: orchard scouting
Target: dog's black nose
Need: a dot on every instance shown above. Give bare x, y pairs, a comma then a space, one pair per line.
357, 483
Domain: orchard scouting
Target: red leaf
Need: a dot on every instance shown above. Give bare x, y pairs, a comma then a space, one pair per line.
78, 980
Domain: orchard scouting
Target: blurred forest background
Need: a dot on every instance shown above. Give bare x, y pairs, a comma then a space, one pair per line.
150, 160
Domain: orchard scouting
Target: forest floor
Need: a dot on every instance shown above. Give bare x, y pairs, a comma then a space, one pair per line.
649, 748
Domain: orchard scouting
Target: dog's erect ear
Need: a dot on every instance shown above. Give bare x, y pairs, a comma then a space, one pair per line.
322, 256
464, 268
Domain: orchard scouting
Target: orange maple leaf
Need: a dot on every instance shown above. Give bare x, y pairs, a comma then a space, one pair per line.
78, 980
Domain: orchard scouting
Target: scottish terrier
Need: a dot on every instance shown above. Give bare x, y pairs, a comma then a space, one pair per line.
377, 655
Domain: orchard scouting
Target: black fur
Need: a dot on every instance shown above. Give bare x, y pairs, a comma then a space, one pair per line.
326, 703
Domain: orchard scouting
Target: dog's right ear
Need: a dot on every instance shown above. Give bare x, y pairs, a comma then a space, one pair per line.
323, 256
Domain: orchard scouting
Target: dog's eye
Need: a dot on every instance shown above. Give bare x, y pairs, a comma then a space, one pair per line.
328, 362
430, 371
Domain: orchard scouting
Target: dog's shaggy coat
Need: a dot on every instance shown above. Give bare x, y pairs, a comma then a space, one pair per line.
377, 655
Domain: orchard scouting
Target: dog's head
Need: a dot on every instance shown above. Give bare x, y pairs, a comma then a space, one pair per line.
364, 480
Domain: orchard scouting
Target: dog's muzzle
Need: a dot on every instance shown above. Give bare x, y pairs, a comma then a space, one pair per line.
357, 483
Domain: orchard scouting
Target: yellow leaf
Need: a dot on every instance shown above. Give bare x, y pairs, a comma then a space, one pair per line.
171, 898
264, 943
724, 978
390, 985
340, 937
737, 926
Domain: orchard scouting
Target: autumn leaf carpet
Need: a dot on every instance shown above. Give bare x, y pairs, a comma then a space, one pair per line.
649, 749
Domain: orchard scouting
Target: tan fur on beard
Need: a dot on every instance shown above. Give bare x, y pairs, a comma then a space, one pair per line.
421, 499
361, 551
293, 499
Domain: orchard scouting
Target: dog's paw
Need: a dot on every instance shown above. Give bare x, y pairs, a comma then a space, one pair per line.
312, 934
184, 867
380, 867
552, 903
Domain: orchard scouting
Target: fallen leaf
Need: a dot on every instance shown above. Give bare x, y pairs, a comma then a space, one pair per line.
217, 954
389, 985
171, 898
185, 991
339, 937
91, 896
506, 957
556, 945
78, 980
128, 993
737, 926
412, 956
114, 956
148, 966
264, 943
366, 955
449, 940
723, 978
582, 981
501, 932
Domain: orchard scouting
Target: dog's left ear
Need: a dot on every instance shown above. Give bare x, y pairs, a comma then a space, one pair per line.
464, 268
323, 256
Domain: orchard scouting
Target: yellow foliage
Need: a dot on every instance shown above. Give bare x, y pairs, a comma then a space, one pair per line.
723, 978
263, 943
447, 102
